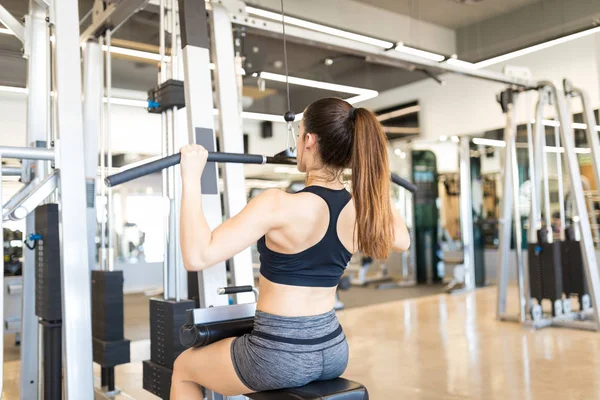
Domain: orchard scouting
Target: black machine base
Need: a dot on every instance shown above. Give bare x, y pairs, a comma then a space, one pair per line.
111, 354
157, 379
166, 319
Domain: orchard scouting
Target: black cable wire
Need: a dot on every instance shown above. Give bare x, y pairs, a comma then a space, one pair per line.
285, 59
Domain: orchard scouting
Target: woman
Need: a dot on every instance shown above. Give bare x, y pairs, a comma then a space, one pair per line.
305, 241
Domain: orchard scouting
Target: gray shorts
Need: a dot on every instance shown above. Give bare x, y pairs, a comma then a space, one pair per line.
287, 352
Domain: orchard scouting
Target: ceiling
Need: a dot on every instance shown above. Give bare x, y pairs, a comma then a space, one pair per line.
263, 53
452, 14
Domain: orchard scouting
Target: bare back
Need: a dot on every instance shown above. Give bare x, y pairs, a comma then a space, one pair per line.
309, 217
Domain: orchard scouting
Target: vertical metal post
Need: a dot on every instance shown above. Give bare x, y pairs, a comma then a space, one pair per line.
75, 276
1, 294
510, 205
199, 101
38, 119
466, 212
546, 180
517, 213
586, 242
110, 227
164, 152
231, 137
561, 190
92, 119
591, 135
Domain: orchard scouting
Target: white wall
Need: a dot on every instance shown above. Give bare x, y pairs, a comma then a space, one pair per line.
357, 17
468, 106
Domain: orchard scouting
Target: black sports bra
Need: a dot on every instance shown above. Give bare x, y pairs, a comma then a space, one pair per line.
321, 265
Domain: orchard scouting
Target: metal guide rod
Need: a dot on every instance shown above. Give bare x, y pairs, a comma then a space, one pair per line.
303, 35
75, 277
27, 153
545, 177
586, 242
13, 24
505, 215
466, 212
534, 177
110, 226
516, 211
164, 153
561, 186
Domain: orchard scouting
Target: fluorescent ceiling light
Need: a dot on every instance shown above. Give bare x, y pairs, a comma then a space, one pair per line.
13, 89
420, 53
135, 53
459, 63
399, 113
127, 102
362, 94
402, 130
320, 28
489, 142
315, 84
537, 47
455, 139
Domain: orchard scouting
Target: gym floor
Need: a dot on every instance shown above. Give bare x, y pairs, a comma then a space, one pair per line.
441, 347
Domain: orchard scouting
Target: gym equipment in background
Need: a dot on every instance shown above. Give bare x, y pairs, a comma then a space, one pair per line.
424, 171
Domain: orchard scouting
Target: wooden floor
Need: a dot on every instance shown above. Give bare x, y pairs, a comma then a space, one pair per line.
441, 347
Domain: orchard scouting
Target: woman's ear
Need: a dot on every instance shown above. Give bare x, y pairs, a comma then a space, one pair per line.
310, 141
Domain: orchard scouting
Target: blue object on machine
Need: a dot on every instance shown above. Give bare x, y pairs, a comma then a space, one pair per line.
34, 237
153, 104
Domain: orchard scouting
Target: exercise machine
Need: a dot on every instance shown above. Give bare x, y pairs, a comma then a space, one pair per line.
553, 271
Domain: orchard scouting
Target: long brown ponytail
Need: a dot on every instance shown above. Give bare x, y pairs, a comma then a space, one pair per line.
371, 186
349, 137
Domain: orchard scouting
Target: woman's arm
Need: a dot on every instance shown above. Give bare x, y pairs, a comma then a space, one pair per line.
201, 247
401, 236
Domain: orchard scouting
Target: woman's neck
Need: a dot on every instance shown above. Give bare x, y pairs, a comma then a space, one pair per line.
320, 177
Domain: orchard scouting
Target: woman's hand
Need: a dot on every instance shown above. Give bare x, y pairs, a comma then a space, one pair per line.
193, 161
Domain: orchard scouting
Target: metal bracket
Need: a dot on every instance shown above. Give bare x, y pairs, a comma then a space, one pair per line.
34, 198
13, 24
113, 17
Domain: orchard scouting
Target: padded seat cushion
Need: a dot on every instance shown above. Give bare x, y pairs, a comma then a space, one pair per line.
336, 389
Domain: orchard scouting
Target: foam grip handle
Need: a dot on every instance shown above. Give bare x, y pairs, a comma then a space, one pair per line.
205, 334
404, 183
236, 289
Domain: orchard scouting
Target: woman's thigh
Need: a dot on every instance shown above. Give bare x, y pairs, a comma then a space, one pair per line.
211, 367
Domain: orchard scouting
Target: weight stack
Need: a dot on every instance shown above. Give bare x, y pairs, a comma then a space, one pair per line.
572, 268
535, 271
166, 318
47, 267
551, 266
48, 305
110, 348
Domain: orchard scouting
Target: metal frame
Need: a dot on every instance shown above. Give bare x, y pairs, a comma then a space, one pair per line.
466, 212
577, 320
373, 53
112, 17
198, 100
12, 23
231, 137
92, 128
509, 212
76, 299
